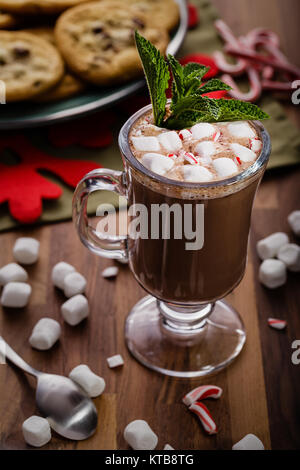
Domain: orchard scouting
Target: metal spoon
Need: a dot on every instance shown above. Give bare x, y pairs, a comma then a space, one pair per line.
69, 410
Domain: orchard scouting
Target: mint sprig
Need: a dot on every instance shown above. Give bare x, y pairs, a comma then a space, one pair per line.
157, 76
188, 105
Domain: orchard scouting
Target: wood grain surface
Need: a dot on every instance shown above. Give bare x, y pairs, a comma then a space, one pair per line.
261, 389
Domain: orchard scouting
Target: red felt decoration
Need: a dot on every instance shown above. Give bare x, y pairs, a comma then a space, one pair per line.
92, 131
204, 60
193, 16
24, 188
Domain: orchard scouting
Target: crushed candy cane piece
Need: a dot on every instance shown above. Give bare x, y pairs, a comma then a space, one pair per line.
205, 417
202, 392
277, 324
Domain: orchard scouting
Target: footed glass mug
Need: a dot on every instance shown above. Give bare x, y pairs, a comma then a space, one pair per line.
182, 328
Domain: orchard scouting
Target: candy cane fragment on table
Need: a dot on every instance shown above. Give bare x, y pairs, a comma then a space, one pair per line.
202, 392
277, 324
205, 417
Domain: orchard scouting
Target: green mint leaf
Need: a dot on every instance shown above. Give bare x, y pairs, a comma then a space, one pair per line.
157, 76
178, 84
193, 74
195, 108
186, 79
192, 109
194, 70
236, 110
213, 85
188, 105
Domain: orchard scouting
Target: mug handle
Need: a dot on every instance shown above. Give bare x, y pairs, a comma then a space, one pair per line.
115, 246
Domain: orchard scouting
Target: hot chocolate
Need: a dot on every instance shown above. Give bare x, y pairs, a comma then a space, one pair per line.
165, 268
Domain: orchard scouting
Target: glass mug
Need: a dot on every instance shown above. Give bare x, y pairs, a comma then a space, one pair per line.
182, 328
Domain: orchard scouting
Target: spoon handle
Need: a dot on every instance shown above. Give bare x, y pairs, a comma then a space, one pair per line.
10, 354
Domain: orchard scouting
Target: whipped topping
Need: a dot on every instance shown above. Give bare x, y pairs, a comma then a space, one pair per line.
205, 152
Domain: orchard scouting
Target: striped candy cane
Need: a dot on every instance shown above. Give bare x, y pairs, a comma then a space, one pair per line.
205, 417
202, 392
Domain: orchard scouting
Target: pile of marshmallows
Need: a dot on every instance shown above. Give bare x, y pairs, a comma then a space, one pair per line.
273, 272
16, 293
139, 435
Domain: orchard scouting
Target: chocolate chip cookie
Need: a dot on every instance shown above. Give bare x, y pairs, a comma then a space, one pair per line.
163, 13
69, 85
34, 7
96, 40
7, 20
29, 65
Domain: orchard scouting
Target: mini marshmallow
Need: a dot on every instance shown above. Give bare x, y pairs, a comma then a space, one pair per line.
145, 144
255, 145
59, 272
206, 148
202, 130
196, 173
36, 431
205, 160
15, 294
74, 283
111, 271
224, 167
26, 250
249, 442
75, 309
272, 273
157, 163
140, 436
294, 222
45, 334
269, 247
168, 447
91, 383
170, 141
12, 272
244, 154
241, 129
290, 255
115, 361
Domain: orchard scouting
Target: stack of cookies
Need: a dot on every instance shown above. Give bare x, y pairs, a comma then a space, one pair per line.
54, 49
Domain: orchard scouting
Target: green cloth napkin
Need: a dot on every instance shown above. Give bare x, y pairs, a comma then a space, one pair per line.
204, 39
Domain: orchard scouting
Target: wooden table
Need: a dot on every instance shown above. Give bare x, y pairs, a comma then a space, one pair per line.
261, 388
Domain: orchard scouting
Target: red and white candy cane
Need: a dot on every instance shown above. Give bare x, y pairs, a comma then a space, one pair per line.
253, 62
202, 392
226, 34
205, 417
277, 324
255, 88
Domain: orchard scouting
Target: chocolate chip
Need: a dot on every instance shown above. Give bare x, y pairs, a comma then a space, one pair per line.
37, 83
139, 23
2, 61
107, 46
97, 29
21, 52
